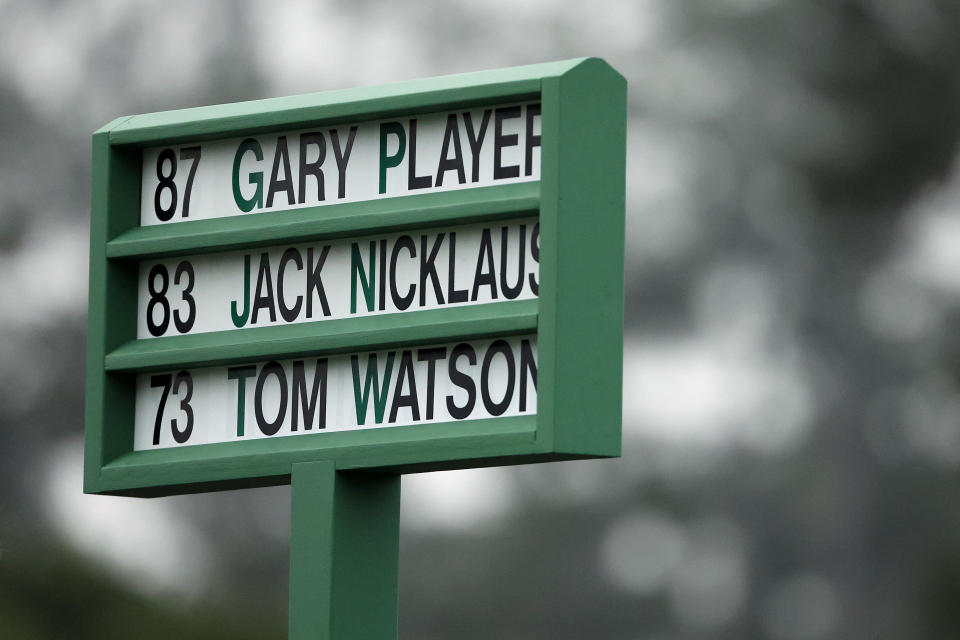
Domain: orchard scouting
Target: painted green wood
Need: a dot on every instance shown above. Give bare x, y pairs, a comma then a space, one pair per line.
345, 496
577, 318
423, 447
582, 219
327, 337
344, 553
348, 105
109, 399
329, 222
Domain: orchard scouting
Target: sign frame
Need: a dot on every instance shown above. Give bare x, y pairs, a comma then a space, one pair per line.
577, 318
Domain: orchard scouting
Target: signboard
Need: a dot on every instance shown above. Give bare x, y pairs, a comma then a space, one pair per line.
420, 276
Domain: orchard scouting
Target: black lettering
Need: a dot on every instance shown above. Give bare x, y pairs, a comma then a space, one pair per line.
401, 302
317, 397
484, 276
311, 168
528, 366
343, 157
497, 408
383, 274
314, 283
430, 356
182, 435
453, 294
405, 399
535, 254
533, 110
156, 382
500, 141
288, 314
184, 326
264, 301
452, 132
509, 292
413, 180
428, 269
166, 182
269, 428
461, 380
285, 185
158, 297
476, 141
189, 153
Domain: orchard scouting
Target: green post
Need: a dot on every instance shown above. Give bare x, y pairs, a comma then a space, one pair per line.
344, 548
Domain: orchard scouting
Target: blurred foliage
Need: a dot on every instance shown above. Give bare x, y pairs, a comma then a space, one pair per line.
53, 593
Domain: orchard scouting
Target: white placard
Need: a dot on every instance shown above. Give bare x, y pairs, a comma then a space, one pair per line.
310, 395
389, 273
342, 163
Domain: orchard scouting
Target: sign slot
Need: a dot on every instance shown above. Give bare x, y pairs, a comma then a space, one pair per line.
449, 382
353, 162
388, 273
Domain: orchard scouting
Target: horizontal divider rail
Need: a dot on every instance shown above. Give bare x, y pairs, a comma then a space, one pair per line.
327, 337
462, 206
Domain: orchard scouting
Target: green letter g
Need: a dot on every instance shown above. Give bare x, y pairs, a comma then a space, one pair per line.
255, 177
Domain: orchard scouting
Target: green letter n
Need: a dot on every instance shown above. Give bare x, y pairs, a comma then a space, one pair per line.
358, 272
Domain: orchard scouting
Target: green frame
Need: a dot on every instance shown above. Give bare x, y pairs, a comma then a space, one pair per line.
578, 317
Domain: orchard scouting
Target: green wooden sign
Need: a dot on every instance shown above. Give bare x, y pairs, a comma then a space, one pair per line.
419, 276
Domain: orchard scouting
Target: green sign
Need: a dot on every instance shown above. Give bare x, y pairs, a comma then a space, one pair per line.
419, 276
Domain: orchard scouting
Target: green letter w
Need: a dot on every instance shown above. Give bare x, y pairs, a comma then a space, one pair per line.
380, 389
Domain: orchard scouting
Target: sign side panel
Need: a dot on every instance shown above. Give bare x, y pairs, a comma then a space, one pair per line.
112, 303
590, 246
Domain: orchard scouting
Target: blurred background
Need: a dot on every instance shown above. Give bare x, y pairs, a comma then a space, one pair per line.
791, 464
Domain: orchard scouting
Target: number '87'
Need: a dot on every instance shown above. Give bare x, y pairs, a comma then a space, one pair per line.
166, 197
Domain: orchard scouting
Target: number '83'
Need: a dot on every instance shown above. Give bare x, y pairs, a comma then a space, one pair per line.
158, 282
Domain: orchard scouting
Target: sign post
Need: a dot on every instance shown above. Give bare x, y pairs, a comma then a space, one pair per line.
335, 289
344, 542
